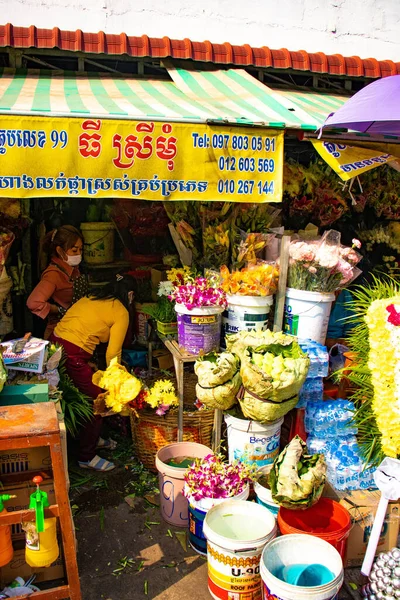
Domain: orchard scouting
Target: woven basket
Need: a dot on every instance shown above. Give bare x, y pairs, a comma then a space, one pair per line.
150, 432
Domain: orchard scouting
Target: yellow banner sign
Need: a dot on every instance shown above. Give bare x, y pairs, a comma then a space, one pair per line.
42, 156
349, 161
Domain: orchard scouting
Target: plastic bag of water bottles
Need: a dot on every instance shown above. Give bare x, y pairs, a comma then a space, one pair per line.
319, 358
330, 419
312, 391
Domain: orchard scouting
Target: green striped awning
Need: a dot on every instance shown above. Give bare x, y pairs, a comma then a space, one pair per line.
231, 96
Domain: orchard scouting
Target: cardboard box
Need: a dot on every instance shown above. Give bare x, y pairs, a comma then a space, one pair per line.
30, 393
24, 460
22, 491
163, 359
18, 568
362, 506
31, 359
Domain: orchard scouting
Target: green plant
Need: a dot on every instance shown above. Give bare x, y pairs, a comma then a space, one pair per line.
77, 407
358, 374
163, 311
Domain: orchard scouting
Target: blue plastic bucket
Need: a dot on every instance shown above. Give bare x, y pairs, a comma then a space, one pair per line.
197, 513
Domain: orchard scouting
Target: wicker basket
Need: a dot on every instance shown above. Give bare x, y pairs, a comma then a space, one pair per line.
151, 432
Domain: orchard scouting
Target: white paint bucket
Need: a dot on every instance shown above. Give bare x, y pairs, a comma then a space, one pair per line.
296, 549
245, 313
307, 314
236, 533
264, 495
98, 242
199, 330
253, 442
197, 513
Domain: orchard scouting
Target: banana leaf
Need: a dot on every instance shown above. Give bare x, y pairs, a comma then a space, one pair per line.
216, 369
297, 479
220, 397
265, 412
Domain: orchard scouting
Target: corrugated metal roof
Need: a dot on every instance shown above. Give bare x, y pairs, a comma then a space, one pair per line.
226, 53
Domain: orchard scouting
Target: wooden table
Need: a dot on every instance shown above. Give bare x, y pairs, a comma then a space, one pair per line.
181, 357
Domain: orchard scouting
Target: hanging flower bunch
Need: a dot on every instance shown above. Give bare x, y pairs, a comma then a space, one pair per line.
383, 320
322, 265
198, 294
211, 477
161, 396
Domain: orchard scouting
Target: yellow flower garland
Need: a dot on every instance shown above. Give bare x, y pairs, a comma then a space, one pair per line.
383, 364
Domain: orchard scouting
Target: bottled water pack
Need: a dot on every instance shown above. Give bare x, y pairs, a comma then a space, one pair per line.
329, 419
319, 358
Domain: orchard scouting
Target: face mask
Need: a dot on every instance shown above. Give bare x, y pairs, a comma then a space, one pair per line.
74, 260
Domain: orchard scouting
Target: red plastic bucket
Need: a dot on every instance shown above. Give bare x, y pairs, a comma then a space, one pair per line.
327, 520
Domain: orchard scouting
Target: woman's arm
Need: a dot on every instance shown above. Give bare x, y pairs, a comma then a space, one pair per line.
38, 301
117, 336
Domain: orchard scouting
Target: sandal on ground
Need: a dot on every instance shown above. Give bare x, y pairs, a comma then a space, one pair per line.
106, 444
97, 464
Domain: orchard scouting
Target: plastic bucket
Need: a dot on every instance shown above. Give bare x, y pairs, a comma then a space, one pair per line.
245, 313
6, 312
327, 520
199, 330
307, 314
291, 550
173, 504
236, 533
98, 242
197, 513
253, 442
263, 494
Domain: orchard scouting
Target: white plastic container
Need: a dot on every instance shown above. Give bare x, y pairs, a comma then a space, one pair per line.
6, 312
307, 314
199, 330
264, 495
236, 533
98, 242
246, 313
197, 513
295, 549
253, 442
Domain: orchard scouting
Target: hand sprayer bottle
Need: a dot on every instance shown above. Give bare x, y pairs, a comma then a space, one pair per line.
41, 536
6, 548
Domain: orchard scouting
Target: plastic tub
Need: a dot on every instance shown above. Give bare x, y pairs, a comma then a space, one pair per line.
246, 313
197, 513
263, 494
291, 550
199, 330
236, 533
173, 504
307, 314
253, 442
98, 242
327, 520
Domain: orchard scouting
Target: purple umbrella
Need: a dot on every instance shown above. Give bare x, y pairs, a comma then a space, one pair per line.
375, 109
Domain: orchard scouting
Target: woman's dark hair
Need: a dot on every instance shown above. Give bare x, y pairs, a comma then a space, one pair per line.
117, 289
64, 236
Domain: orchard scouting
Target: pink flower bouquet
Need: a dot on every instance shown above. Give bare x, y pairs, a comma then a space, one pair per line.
211, 477
198, 294
322, 265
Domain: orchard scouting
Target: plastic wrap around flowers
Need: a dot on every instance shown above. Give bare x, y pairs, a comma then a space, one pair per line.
211, 477
198, 294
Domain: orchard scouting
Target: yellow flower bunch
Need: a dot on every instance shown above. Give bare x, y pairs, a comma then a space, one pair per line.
181, 276
162, 393
383, 364
120, 385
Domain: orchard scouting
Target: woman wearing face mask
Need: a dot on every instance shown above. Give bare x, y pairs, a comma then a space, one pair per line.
61, 283
102, 317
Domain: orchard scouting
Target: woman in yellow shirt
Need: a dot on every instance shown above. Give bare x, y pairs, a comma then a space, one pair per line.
102, 317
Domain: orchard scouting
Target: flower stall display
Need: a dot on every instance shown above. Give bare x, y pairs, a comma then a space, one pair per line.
121, 387
199, 306
273, 370
208, 482
297, 479
161, 396
219, 380
260, 279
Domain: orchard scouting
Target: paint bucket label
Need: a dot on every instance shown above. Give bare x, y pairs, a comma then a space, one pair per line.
233, 576
199, 333
268, 595
259, 447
